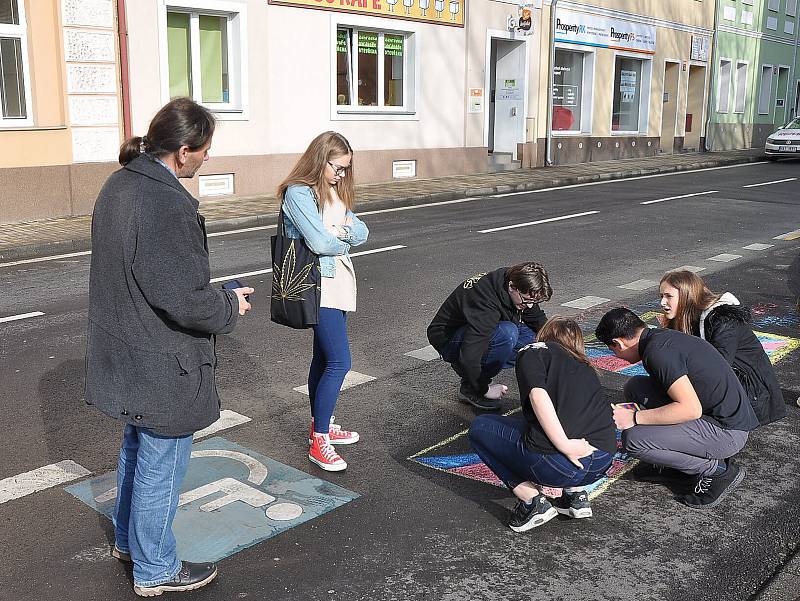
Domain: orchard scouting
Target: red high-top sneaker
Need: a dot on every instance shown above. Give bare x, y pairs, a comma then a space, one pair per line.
323, 454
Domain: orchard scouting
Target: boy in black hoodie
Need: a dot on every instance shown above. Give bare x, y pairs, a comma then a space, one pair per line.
484, 322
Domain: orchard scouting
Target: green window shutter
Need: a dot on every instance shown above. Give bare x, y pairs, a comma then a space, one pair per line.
214, 58
179, 55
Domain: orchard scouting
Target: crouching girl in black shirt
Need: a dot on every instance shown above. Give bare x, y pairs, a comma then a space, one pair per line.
564, 437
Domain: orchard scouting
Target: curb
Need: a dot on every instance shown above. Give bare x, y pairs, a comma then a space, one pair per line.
31, 251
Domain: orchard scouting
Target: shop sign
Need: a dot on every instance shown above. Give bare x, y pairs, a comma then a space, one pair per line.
604, 32
475, 100
440, 12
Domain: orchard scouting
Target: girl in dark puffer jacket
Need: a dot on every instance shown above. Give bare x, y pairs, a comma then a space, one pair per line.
689, 307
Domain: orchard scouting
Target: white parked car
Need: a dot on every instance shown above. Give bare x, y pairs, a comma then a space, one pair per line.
785, 142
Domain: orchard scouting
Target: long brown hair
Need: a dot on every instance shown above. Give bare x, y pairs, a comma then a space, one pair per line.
180, 122
567, 333
693, 299
310, 170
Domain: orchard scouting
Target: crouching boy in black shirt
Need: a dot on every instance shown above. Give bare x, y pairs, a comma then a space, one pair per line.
484, 322
696, 414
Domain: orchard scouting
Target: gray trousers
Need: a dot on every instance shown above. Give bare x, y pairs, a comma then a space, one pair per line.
694, 447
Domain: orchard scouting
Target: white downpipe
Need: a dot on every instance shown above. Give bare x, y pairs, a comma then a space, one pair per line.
551, 63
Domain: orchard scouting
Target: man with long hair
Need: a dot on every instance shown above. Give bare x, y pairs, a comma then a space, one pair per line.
150, 357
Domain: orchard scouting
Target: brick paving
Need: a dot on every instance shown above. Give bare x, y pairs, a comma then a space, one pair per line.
69, 234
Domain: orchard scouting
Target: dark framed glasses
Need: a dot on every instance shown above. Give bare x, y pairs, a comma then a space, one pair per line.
339, 170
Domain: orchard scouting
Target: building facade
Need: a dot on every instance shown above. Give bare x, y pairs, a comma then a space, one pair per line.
409, 83
629, 79
756, 86
60, 119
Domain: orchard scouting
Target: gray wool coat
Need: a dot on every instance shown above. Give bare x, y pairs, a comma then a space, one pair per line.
153, 315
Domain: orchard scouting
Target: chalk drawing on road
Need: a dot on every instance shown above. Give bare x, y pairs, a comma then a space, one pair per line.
232, 498
454, 456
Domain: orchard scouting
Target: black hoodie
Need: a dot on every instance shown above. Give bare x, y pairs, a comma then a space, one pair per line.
480, 303
726, 327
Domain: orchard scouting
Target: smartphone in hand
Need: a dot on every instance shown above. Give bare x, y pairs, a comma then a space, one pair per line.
233, 284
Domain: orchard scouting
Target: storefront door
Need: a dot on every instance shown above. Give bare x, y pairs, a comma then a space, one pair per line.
695, 99
669, 111
507, 96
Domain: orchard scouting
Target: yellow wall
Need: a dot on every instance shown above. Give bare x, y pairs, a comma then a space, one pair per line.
696, 13
34, 146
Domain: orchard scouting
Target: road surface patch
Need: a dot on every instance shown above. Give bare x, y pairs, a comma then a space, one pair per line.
352, 379
232, 498
639, 285
40, 479
426, 353
724, 258
227, 419
586, 302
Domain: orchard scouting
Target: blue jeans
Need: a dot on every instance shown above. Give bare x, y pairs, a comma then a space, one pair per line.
329, 365
507, 339
500, 443
149, 475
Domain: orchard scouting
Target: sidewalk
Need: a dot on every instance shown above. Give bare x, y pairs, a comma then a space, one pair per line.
20, 241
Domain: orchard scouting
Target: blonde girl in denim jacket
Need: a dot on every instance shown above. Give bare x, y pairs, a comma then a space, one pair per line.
317, 200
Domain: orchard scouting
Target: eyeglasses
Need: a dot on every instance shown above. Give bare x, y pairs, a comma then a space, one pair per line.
527, 301
339, 170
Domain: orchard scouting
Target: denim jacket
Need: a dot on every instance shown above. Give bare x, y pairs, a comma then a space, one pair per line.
302, 219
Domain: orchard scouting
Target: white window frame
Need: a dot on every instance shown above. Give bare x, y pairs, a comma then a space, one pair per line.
764, 69
237, 107
743, 79
587, 96
793, 11
644, 99
772, 23
411, 69
774, 5
20, 32
720, 82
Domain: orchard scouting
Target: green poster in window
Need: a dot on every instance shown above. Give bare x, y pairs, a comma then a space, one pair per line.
367, 42
393, 45
341, 41
213, 59
179, 55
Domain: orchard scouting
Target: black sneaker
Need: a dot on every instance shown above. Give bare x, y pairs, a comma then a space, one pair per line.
525, 517
574, 504
710, 490
191, 576
465, 395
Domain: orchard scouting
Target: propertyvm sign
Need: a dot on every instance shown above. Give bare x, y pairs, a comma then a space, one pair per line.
604, 32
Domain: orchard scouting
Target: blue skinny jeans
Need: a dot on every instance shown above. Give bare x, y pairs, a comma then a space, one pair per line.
500, 442
329, 365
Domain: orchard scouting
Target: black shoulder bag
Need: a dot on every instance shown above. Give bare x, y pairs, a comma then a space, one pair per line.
295, 281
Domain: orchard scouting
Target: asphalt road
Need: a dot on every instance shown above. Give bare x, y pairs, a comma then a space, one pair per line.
416, 533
